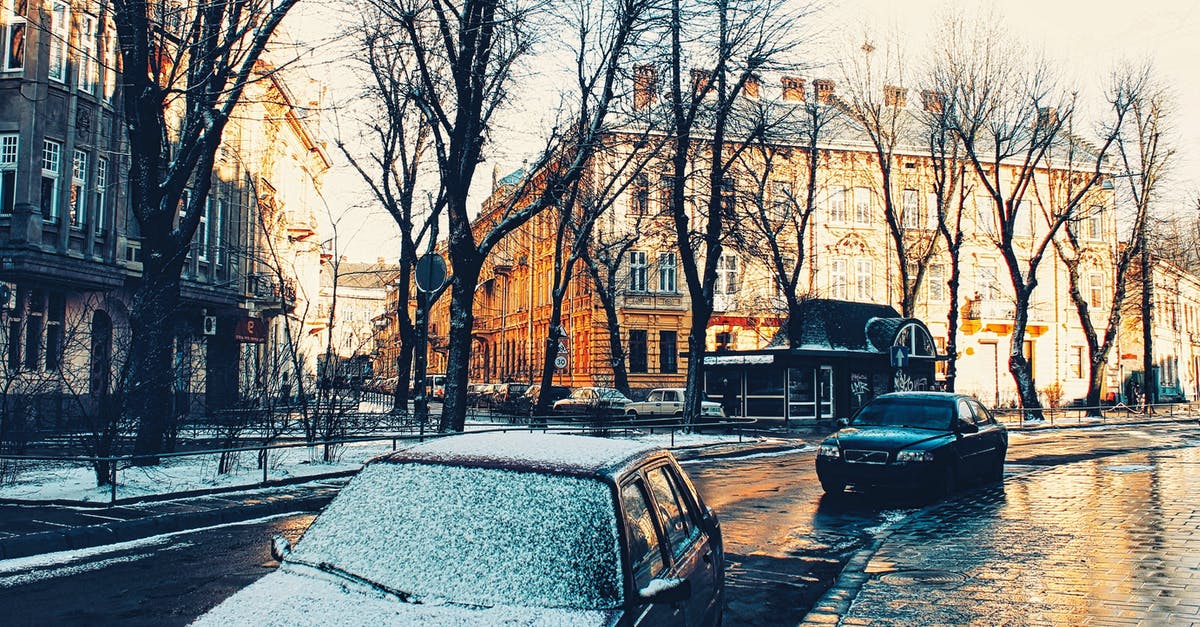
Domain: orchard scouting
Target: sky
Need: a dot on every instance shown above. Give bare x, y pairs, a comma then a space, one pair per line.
1082, 39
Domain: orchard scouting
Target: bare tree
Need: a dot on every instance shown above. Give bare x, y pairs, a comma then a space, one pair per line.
876, 100
184, 68
730, 42
1143, 154
396, 139
1014, 127
783, 199
951, 190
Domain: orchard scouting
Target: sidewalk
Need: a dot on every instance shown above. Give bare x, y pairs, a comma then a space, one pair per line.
1112, 541
27, 530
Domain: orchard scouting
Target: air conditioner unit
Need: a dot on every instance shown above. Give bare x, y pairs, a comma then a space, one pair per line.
210, 325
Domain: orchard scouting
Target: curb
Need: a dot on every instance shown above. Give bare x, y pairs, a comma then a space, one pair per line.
110, 533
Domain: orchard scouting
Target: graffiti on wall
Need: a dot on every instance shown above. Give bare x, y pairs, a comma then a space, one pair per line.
859, 387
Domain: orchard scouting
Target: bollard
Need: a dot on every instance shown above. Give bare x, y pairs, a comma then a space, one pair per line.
266, 462
113, 496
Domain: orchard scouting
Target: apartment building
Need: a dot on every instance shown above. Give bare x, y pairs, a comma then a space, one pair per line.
70, 256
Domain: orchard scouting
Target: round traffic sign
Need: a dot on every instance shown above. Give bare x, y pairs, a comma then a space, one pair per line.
560, 362
431, 272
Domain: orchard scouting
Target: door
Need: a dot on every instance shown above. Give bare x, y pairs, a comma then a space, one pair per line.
687, 544
645, 554
973, 448
825, 391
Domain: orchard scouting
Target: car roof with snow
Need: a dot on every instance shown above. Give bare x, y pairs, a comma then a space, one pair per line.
540, 452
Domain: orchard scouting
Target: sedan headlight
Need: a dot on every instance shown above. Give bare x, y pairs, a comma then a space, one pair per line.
829, 450
914, 456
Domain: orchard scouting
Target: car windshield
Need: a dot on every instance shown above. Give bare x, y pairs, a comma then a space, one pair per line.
919, 413
609, 393
437, 531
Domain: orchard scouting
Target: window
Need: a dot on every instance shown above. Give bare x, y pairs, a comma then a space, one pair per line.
780, 201
863, 280
218, 221
202, 231
13, 35
1029, 355
910, 206
60, 23
77, 203
33, 330
637, 270
676, 516
1076, 365
862, 205
837, 205
728, 195
668, 351
937, 282
56, 312
1023, 221
727, 274
639, 196
637, 350
1095, 229
645, 549
8, 172
837, 278
101, 192
667, 273
985, 217
51, 162
88, 62
779, 283
1096, 289
666, 183
986, 283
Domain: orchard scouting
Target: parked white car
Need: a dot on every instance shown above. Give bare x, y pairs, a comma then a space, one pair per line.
669, 402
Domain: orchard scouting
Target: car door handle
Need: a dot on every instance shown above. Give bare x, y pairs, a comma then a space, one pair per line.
708, 557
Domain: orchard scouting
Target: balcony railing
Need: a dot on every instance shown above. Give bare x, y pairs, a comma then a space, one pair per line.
270, 293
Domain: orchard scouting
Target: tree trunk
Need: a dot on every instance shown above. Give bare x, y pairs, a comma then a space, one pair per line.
1020, 367
553, 335
952, 324
462, 319
420, 359
152, 322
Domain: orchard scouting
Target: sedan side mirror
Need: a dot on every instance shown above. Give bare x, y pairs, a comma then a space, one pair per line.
843, 422
963, 426
666, 590
281, 547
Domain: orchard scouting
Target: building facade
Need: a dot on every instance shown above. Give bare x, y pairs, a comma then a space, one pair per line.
849, 256
70, 256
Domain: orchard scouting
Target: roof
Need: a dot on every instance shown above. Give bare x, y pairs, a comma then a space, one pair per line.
843, 325
362, 275
543, 452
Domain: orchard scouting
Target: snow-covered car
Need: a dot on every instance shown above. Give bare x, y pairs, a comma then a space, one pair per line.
669, 402
491, 528
592, 401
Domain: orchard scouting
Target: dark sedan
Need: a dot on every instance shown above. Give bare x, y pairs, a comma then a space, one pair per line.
923, 440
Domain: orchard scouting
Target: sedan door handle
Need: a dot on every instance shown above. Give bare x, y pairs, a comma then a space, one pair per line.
708, 557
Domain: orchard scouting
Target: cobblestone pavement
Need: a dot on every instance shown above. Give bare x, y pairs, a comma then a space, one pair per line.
1110, 541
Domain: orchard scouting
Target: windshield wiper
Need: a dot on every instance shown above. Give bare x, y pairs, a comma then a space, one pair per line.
326, 567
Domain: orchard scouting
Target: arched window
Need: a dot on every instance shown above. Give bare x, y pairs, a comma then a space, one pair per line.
917, 339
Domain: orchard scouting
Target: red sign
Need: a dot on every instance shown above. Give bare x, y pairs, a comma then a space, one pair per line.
250, 330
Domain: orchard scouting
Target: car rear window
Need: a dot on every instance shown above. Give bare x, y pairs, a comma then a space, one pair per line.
478, 536
906, 412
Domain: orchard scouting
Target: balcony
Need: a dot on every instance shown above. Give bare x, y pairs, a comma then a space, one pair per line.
654, 300
270, 294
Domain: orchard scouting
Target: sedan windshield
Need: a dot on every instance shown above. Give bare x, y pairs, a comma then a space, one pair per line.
476, 536
906, 412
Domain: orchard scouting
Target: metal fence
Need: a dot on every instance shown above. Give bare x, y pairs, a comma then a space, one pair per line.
1084, 416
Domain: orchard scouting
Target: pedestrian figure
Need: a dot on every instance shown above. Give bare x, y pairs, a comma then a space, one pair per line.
285, 390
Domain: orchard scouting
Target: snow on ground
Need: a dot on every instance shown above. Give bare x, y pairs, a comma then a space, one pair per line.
43, 481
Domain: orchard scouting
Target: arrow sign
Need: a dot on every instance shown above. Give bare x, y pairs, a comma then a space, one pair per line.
899, 356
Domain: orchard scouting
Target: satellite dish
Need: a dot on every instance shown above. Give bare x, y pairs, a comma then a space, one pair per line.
431, 273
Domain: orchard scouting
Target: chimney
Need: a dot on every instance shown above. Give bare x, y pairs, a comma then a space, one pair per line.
645, 86
752, 86
380, 261
700, 80
824, 90
933, 101
894, 96
793, 89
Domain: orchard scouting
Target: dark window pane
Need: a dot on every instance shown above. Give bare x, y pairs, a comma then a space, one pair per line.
668, 352
637, 350
645, 549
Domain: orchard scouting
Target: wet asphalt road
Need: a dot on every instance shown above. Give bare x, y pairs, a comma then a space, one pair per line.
786, 543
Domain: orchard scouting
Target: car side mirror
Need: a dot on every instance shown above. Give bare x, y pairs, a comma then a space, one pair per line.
281, 547
963, 426
666, 590
843, 422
